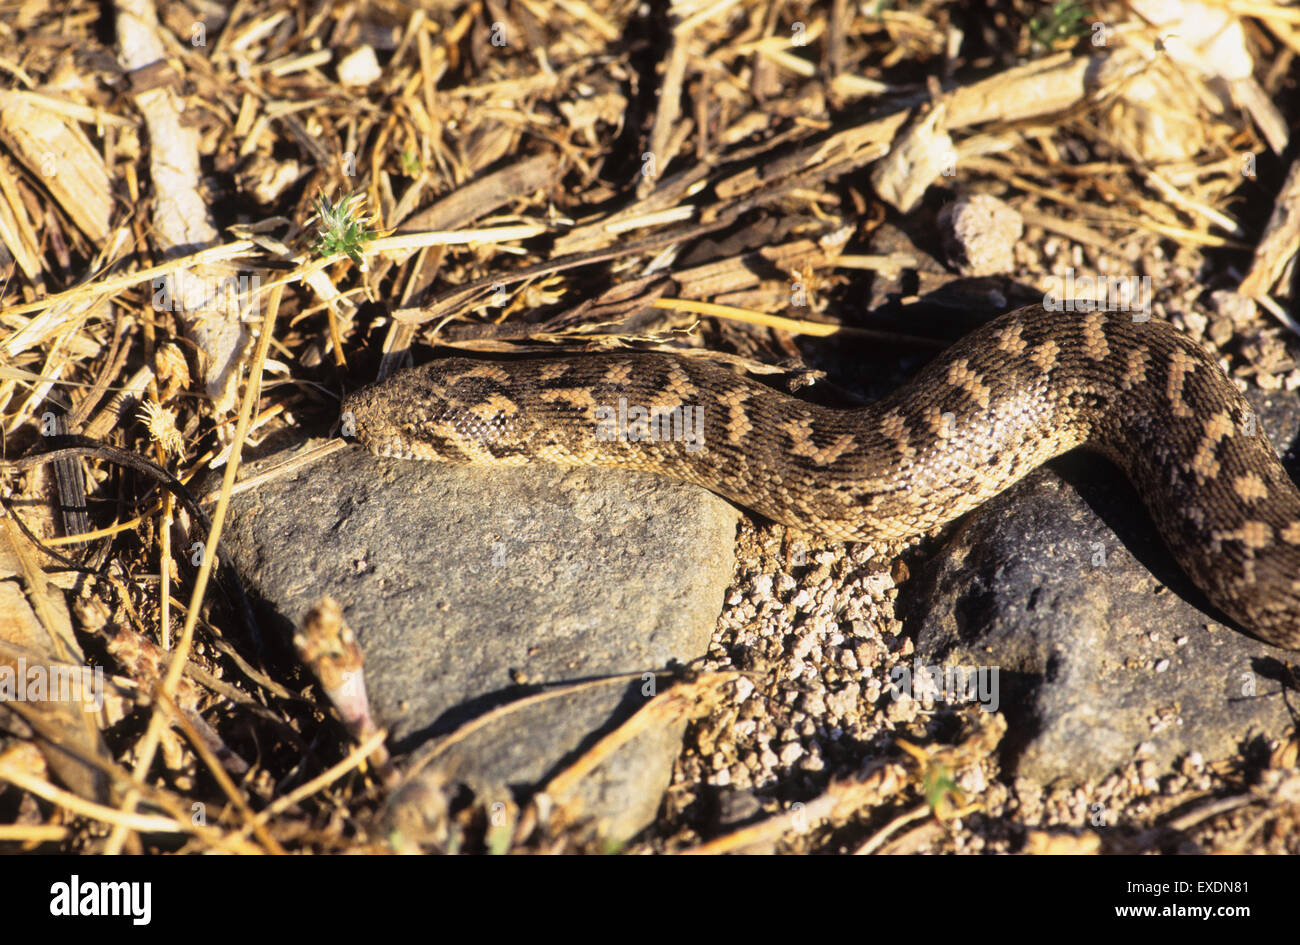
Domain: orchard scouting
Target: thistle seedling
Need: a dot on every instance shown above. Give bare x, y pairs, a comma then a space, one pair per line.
341, 228
1062, 24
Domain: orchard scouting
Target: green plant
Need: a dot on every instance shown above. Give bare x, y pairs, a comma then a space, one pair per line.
1065, 21
341, 228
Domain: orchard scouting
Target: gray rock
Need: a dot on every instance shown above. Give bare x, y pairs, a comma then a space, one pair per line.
979, 233
1105, 650
469, 588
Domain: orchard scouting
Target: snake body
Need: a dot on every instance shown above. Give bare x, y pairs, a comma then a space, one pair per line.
1024, 388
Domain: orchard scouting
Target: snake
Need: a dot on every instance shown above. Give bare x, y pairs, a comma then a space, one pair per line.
1016, 392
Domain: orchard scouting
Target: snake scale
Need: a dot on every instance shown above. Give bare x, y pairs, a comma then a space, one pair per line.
1018, 391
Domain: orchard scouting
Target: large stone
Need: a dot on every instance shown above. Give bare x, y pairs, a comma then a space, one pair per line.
1105, 650
469, 588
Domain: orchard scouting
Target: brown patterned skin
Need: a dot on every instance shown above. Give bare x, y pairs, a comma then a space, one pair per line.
1024, 388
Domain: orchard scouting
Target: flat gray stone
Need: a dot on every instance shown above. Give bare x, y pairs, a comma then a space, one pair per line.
461, 583
1105, 650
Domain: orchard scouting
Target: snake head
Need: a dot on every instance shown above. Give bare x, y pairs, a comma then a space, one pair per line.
446, 411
